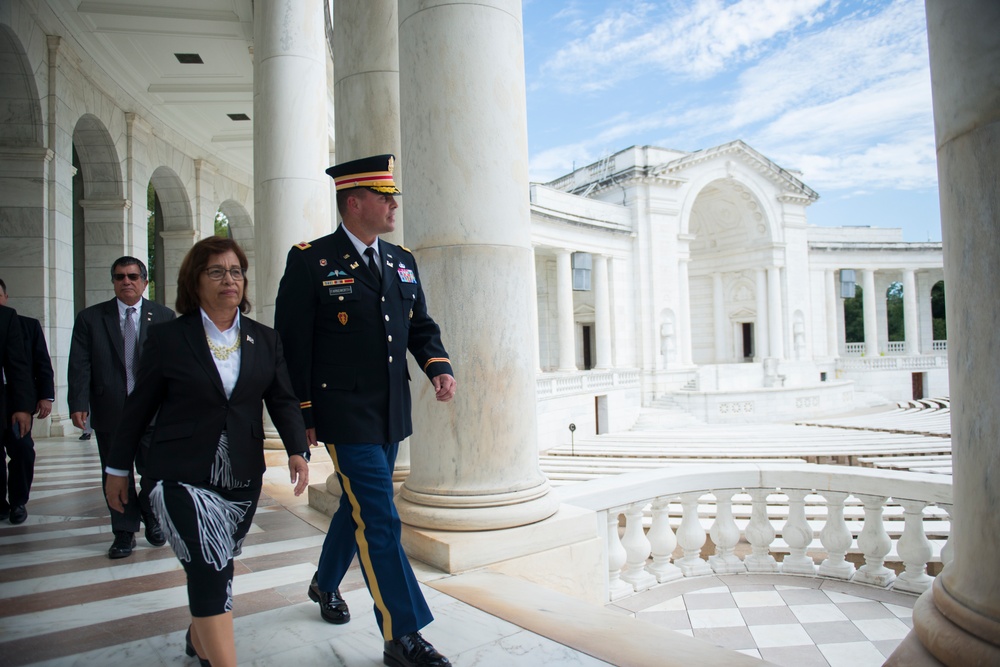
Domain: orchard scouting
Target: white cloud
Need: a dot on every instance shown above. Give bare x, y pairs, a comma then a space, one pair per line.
691, 41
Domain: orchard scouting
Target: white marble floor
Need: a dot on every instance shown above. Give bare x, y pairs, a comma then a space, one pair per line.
63, 602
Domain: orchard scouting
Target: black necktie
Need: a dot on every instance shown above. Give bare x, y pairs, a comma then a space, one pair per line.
372, 265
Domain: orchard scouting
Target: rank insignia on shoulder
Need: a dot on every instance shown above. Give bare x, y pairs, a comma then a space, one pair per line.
303, 245
342, 318
406, 249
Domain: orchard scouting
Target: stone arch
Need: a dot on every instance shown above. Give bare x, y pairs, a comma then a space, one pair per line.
22, 124
100, 211
22, 181
175, 230
736, 180
241, 231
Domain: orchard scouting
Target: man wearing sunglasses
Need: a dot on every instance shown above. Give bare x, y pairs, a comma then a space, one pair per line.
103, 365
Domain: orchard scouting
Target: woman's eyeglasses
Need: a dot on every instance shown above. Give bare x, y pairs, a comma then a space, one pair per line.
218, 273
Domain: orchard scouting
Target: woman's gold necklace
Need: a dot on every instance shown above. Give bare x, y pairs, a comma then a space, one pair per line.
220, 352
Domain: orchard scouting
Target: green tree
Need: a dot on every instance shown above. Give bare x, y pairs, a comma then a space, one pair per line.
854, 317
221, 224
937, 311
894, 311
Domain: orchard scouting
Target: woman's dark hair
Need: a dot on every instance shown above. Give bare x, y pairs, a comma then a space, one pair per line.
195, 262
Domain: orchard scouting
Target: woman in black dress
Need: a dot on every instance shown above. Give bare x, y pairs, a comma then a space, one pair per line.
204, 376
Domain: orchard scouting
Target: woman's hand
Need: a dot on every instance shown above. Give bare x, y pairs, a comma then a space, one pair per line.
116, 491
299, 473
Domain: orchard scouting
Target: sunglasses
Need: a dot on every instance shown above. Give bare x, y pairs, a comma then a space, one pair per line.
121, 276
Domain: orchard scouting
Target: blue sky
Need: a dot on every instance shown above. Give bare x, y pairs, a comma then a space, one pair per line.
836, 89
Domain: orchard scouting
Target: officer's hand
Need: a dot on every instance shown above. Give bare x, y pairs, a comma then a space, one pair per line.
79, 419
44, 408
444, 387
311, 437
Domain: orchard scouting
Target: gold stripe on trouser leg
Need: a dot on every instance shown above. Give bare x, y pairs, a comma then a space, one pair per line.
363, 553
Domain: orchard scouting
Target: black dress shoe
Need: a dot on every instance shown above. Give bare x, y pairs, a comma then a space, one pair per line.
412, 650
85, 436
332, 607
154, 534
18, 513
191, 652
123, 545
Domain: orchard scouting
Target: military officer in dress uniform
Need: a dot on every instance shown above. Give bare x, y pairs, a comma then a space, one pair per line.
348, 308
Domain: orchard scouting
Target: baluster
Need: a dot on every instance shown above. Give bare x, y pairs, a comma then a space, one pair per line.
662, 543
874, 543
914, 548
691, 537
616, 559
836, 538
797, 534
726, 534
946, 552
760, 533
637, 549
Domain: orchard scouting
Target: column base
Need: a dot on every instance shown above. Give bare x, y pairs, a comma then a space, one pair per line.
563, 552
936, 640
476, 513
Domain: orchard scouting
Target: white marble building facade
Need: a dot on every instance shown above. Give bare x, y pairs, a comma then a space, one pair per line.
703, 276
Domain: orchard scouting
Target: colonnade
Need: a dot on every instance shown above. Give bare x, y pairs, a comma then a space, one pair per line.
469, 470
917, 318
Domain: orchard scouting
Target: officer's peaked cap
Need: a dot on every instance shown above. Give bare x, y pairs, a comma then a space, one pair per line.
374, 173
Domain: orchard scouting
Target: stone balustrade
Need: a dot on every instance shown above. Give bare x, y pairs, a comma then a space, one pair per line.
916, 363
643, 554
551, 385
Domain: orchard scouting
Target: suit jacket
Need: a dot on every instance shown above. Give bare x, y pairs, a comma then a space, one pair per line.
346, 338
179, 378
18, 394
37, 354
97, 360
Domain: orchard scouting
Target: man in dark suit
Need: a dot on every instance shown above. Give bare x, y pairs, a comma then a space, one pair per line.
16, 397
349, 306
102, 372
16, 476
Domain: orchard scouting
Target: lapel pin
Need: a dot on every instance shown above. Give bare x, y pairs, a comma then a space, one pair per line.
346, 255
250, 339
355, 265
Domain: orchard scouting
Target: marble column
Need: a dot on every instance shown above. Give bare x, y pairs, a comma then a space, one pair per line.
602, 312
775, 313
366, 112
565, 325
911, 328
474, 463
719, 309
684, 319
832, 300
761, 335
957, 622
366, 86
870, 309
291, 139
